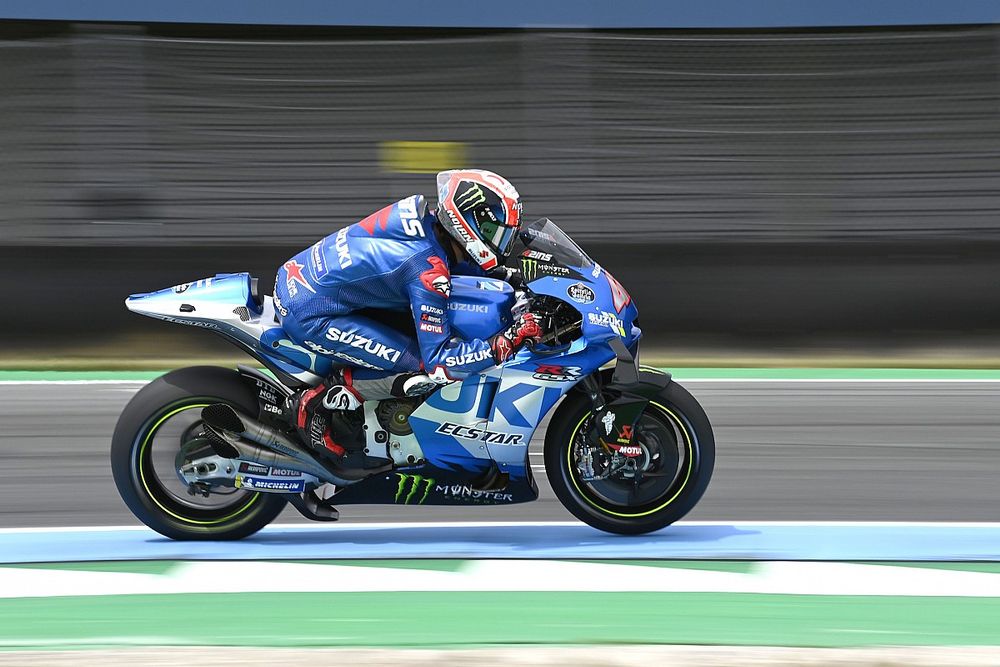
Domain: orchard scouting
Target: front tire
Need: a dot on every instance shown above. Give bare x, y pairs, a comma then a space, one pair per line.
153, 496
680, 468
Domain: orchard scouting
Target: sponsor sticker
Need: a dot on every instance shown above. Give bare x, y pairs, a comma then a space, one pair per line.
468, 493
580, 293
431, 328
471, 197
468, 307
280, 308
479, 434
343, 251
433, 310
609, 422
285, 472
193, 323
532, 269
413, 489
433, 319
258, 484
468, 358
293, 271
630, 451
605, 319
459, 227
351, 359
535, 254
362, 342
204, 282
554, 373
317, 257
253, 468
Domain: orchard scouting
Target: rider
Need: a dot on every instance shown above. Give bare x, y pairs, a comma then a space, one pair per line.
399, 258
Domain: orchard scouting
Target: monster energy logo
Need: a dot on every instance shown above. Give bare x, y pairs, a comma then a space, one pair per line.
412, 482
471, 198
532, 268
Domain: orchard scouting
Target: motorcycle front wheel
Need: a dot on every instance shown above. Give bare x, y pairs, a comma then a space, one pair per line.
159, 430
644, 493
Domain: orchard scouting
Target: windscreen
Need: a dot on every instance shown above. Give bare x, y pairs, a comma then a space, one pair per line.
544, 236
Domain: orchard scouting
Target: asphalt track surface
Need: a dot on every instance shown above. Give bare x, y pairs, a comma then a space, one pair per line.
798, 451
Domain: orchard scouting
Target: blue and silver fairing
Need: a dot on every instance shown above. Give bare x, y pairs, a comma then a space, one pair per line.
225, 304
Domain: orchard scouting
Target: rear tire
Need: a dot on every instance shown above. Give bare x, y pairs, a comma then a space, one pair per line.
695, 443
187, 389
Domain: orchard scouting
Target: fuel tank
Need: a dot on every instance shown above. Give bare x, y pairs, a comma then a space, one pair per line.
479, 307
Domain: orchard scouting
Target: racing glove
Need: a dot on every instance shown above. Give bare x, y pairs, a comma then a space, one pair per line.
510, 276
529, 327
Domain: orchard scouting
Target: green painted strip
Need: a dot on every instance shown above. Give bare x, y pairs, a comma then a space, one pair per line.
679, 372
463, 619
123, 566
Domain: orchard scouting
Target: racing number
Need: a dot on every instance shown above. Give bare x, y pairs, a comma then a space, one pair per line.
412, 227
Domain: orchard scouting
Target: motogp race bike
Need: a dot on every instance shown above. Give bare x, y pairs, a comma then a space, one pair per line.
627, 450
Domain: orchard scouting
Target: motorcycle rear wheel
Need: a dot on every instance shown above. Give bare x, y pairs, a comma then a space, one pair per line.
152, 497
680, 447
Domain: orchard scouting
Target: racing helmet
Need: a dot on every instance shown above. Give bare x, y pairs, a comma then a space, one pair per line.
482, 210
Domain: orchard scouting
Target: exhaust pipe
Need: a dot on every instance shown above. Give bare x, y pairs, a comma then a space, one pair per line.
231, 432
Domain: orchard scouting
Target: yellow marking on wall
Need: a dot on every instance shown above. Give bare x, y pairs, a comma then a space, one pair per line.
421, 157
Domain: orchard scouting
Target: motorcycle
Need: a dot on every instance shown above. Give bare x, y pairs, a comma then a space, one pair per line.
627, 449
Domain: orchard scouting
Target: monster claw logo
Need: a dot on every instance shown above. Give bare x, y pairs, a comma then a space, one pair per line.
294, 271
412, 482
437, 278
532, 269
471, 198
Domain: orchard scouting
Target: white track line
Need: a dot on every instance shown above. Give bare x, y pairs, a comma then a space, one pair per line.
136, 383
241, 577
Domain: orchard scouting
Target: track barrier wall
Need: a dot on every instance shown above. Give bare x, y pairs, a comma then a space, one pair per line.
808, 187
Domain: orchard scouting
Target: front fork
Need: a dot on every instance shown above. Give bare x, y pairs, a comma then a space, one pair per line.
617, 407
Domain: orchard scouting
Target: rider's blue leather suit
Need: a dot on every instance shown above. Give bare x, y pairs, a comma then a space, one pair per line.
391, 260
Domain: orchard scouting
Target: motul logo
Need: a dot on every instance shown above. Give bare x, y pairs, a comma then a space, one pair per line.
630, 450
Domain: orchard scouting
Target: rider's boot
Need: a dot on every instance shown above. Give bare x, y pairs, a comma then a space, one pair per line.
326, 416
311, 416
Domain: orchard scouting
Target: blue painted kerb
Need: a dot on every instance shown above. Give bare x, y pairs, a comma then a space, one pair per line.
742, 541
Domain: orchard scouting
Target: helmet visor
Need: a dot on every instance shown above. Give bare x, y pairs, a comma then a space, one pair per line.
500, 237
